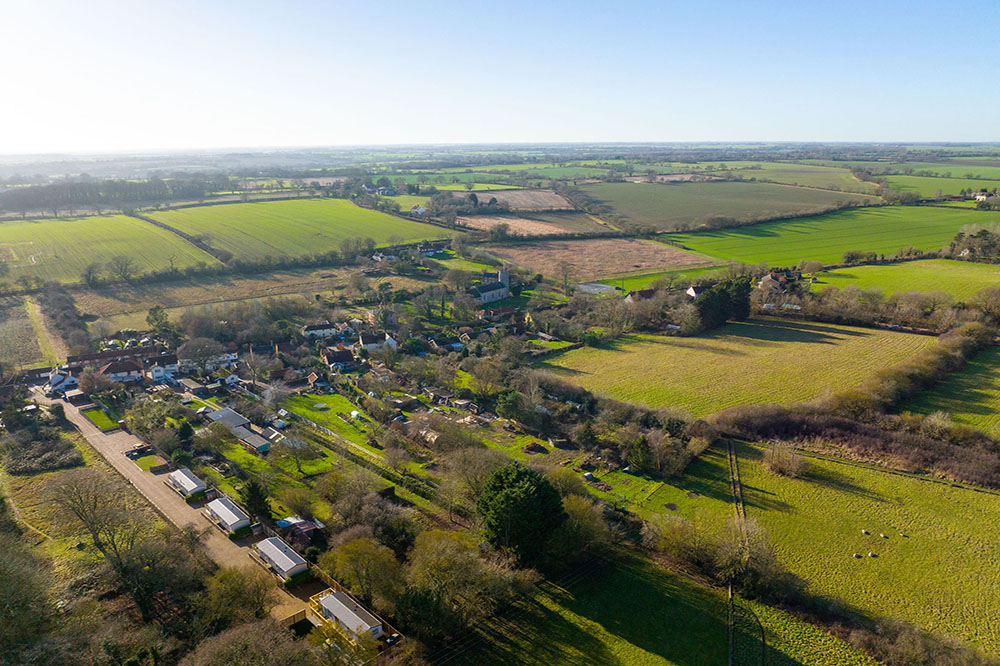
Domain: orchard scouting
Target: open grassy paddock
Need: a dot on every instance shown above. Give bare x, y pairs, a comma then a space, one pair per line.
936, 568
60, 248
961, 279
633, 612
826, 238
686, 205
589, 259
292, 228
753, 362
970, 396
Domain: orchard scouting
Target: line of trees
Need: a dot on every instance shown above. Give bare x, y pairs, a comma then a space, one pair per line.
98, 194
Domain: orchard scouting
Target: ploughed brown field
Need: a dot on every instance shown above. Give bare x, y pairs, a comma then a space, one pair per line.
591, 259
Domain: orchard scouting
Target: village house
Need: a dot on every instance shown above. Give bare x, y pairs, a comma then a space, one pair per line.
61, 380
338, 359
372, 342
161, 368
128, 370
184, 482
640, 295
279, 557
226, 515
417, 209
324, 330
494, 287
695, 291
451, 343
342, 611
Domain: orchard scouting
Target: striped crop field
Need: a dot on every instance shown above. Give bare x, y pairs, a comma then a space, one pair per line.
752, 362
292, 228
687, 205
826, 238
60, 248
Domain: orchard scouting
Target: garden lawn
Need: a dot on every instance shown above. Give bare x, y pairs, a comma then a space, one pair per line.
292, 228
970, 396
97, 416
961, 279
752, 362
635, 613
826, 238
673, 207
59, 249
942, 575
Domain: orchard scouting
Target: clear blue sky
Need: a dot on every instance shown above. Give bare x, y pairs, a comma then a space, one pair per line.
111, 76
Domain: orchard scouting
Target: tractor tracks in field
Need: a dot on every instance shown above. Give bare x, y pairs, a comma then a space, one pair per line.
194, 240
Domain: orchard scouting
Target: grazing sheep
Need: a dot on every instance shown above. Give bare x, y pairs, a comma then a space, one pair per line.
882, 535
864, 531
857, 556
871, 554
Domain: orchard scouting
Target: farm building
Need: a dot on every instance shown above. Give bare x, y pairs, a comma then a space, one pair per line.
344, 612
184, 482
280, 557
224, 513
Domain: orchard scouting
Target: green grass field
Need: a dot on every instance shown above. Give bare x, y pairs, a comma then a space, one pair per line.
950, 169
687, 205
961, 279
753, 362
635, 613
927, 186
826, 238
941, 575
292, 228
970, 396
59, 249
97, 416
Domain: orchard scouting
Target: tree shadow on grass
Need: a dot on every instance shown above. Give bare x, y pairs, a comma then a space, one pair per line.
658, 612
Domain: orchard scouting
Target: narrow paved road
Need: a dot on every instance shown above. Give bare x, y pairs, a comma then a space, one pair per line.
113, 445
